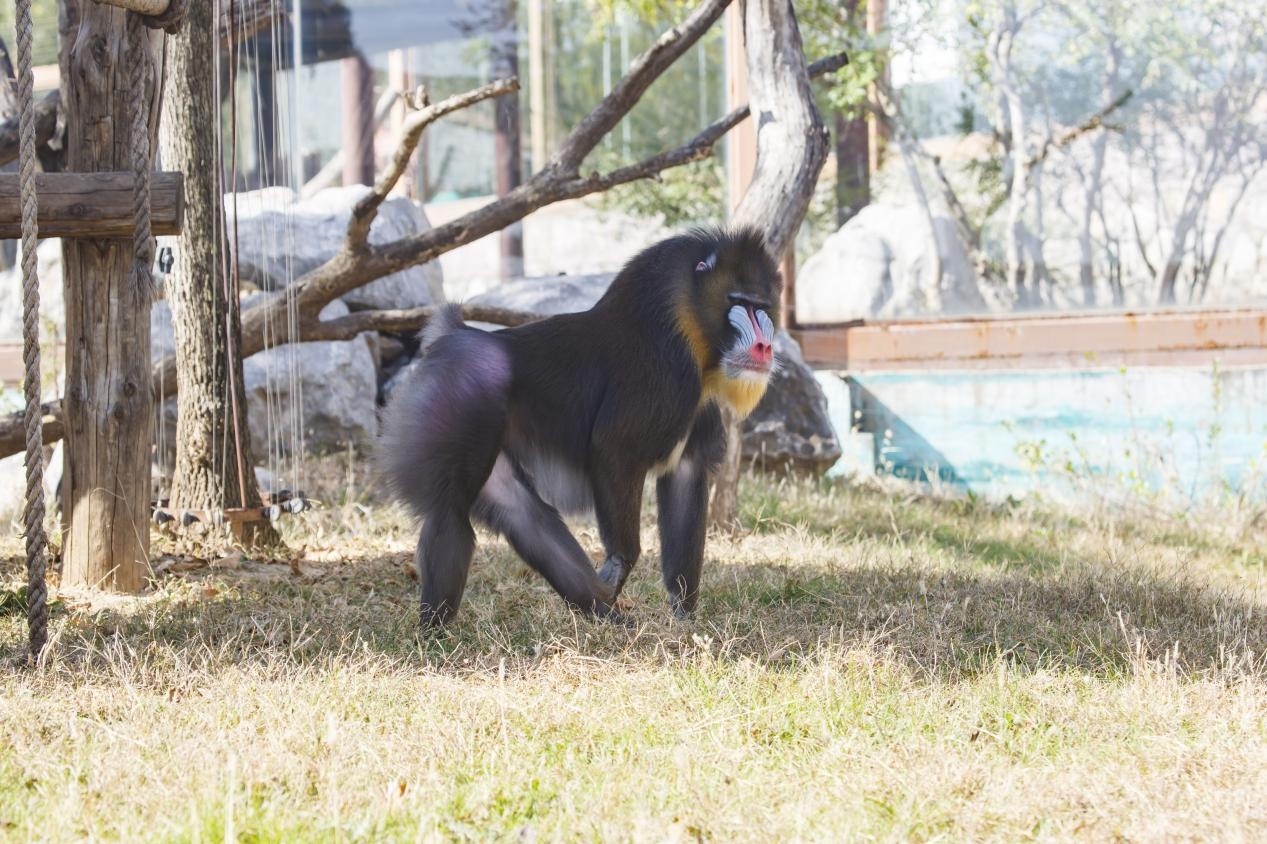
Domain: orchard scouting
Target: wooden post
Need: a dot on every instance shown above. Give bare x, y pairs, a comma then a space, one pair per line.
358, 122
108, 402
540, 97
878, 128
399, 78
506, 158
263, 74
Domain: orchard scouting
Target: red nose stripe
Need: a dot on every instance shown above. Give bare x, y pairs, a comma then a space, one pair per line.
762, 351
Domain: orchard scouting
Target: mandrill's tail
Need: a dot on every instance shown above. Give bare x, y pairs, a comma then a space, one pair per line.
443, 429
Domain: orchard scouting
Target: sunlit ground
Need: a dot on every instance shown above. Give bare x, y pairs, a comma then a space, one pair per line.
865, 663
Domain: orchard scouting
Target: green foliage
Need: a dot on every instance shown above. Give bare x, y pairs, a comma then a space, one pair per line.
691, 195
44, 23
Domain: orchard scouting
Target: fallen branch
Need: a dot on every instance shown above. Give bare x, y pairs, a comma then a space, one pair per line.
243, 18
411, 319
45, 126
13, 428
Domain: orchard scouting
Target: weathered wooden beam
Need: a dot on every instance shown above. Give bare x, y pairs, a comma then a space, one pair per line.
92, 204
1077, 341
13, 428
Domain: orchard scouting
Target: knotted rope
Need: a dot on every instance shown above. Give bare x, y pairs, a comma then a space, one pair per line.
142, 235
33, 513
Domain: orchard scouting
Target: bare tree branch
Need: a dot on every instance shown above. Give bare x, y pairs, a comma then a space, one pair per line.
411, 319
642, 72
366, 208
1072, 134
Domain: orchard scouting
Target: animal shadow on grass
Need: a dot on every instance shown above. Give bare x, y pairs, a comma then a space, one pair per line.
940, 625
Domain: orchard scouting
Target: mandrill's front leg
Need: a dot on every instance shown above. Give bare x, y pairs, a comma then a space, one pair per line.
682, 508
617, 508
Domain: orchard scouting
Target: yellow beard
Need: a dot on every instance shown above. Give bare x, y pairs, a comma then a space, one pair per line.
742, 394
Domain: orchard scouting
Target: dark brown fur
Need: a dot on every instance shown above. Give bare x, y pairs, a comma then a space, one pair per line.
574, 412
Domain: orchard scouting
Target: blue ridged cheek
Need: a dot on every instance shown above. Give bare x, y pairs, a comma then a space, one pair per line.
767, 325
738, 316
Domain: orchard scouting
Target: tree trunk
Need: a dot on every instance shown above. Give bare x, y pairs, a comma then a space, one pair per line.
853, 156
210, 473
853, 174
1091, 197
791, 148
108, 404
509, 172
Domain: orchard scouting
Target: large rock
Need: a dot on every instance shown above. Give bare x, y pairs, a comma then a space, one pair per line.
791, 428
335, 384
52, 300
550, 295
13, 487
280, 237
878, 265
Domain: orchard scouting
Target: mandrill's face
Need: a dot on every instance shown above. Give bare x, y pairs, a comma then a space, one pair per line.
739, 300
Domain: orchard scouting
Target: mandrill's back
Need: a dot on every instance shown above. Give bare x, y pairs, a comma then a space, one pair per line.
618, 369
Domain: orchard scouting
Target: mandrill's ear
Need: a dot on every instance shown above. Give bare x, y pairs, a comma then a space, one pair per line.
707, 264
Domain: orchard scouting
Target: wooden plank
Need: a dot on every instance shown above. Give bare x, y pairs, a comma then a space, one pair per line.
1163, 338
92, 204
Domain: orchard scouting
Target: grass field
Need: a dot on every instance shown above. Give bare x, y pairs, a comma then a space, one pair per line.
865, 664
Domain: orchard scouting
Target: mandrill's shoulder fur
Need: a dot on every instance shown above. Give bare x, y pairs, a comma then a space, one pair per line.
641, 363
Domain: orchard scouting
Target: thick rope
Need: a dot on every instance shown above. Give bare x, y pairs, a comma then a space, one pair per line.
33, 515
142, 235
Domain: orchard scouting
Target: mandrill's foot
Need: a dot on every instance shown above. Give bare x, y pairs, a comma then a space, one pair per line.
432, 620
614, 572
610, 614
682, 610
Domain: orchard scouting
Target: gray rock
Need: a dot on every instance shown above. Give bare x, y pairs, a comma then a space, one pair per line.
791, 428
52, 300
550, 295
877, 266
280, 237
13, 486
334, 383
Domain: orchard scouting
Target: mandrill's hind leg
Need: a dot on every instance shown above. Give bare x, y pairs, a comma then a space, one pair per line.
443, 559
509, 505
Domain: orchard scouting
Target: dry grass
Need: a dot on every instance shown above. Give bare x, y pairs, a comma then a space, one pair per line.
863, 665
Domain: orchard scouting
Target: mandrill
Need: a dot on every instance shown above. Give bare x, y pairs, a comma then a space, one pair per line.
572, 413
